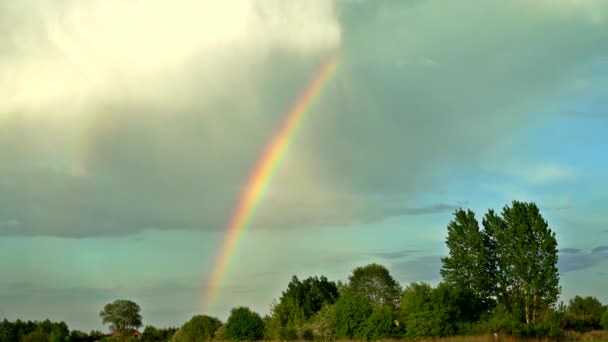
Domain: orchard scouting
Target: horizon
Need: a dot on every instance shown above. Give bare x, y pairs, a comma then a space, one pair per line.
129, 131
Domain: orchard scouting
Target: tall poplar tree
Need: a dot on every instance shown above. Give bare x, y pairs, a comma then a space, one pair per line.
469, 266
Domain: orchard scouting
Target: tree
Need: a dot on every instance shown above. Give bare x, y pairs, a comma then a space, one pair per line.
375, 283
604, 319
525, 251
199, 328
380, 325
244, 325
450, 308
469, 266
351, 313
322, 324
122, 315
584, 314
298, 303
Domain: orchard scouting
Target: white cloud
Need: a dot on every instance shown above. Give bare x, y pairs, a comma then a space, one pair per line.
122, 116
537, 173
90, 51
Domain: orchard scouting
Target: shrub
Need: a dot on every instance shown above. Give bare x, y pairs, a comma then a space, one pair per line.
380, 325
244, 325
604, 319
351, 314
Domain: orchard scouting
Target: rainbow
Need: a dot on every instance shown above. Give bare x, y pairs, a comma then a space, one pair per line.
262, 175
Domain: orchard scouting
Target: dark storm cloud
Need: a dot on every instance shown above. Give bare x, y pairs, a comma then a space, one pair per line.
574, 259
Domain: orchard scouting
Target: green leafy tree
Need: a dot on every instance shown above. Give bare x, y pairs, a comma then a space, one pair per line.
322, 324
416, 297
470, 264
122, 315
584, 314
351, 313
525, 251
200, 328
298, 303
428, 323
8, 331
375, 283
450, 308
36, 336
152, 334
244, 325
380, 325
604, 319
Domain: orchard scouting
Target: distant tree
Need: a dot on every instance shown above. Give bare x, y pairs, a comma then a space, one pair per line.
380, 325
375, 283
36, 336
525, 250
307, 296
122, 315
243, 325
416, 297
584, 314
470, 265
322, 324
604, 319
351, 314
77, 336
298, 303
199, 328
8, 331
440, 311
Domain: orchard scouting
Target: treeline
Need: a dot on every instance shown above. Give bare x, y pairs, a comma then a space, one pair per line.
44, 331
500, 277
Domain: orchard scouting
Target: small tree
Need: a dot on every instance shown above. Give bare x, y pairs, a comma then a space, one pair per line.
584, 314
469, 266
604, 319
351, 313
199, 328
244, 325
375, 283
122, 315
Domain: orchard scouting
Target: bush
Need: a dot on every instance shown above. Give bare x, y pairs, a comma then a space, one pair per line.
198, 328
244, 325
380, 325
604, 319
428, 323
322, 324
351, 314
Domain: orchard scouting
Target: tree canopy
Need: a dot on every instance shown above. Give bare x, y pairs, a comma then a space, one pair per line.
243, 325
375, 283
122, 315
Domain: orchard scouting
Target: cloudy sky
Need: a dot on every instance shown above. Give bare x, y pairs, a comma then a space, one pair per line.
128, 129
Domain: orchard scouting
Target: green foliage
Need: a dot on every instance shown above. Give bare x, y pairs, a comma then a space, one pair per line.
453, 310
604, 319
470, 265
199, 328
122, 315
152, 334
583, 314
243, 325
523, 252
34, 331
351, 313
416, 297
427, 323
322, 325
380, 325
298, 303
375, 283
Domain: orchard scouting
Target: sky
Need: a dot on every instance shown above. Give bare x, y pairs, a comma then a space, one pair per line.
128, 129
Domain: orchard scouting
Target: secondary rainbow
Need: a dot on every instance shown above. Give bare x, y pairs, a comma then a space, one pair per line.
262, 175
